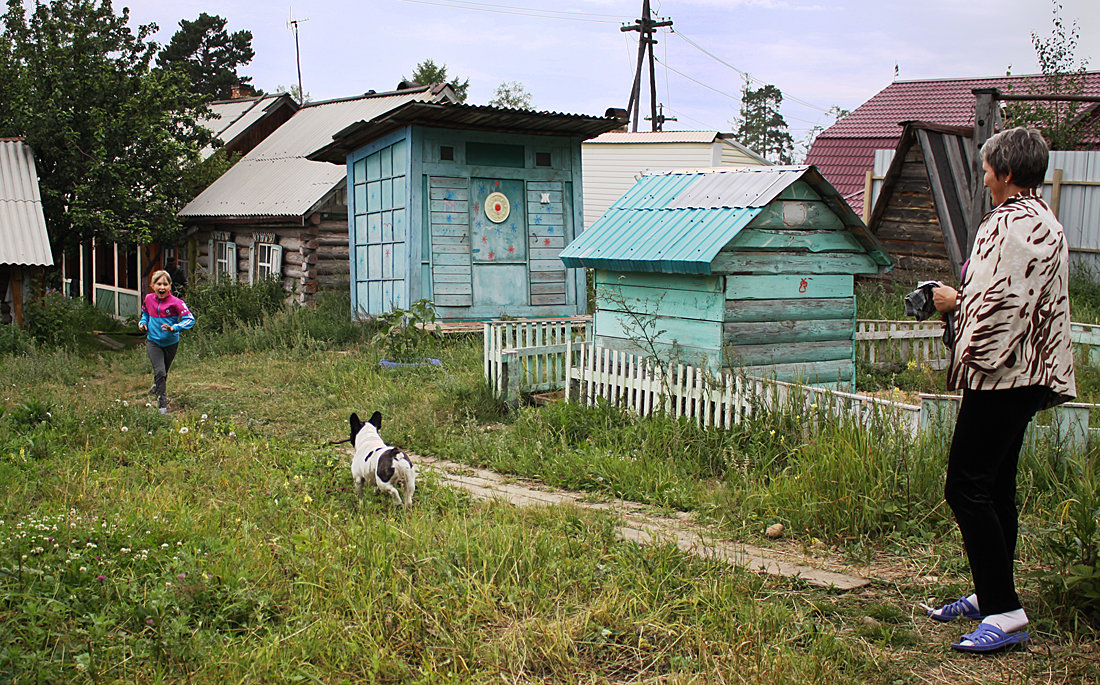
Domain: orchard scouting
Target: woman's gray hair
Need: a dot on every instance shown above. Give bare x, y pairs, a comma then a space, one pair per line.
1019, 151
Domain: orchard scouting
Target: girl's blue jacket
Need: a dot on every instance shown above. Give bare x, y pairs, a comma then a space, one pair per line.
172, 311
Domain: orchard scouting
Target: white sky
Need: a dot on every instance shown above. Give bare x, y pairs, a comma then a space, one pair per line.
821, 52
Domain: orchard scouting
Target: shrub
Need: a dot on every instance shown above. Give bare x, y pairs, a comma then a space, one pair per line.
224, 304
55, 320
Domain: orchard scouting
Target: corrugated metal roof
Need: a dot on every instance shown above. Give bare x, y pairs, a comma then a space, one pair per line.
622, 137
275, 178
231, 118
845, 162
459, 116
23, 236
678, 221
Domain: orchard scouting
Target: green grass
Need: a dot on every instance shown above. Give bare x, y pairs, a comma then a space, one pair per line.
223, 542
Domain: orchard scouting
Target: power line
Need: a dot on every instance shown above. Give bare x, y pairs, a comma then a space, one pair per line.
743, 73
521, 11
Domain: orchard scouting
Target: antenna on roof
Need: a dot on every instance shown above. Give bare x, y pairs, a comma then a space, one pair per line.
293, 26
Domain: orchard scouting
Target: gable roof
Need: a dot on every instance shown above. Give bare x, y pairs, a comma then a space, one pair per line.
276, 180
678, 221
460, 116
846, 150
231, 120
23, 236
672, 137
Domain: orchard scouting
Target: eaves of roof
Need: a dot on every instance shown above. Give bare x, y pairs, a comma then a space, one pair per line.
24, 239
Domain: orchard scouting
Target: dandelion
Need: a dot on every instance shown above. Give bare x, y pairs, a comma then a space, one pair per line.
184, 429
307, 499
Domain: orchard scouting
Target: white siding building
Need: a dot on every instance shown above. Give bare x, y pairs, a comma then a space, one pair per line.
612, 162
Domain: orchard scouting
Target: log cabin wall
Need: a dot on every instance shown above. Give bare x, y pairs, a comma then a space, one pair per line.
910, 228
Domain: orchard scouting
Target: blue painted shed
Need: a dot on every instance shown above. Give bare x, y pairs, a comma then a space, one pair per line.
752, 268
468, 206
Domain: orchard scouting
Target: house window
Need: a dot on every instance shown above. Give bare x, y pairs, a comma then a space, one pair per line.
223, 256
267, 261
175, 260
446, 153
543, 159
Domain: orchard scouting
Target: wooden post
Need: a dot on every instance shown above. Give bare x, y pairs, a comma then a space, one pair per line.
1071, 426
986, 118
17, 295
868, 190
1056, 192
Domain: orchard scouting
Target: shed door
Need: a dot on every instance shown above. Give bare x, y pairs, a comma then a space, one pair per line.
498, 232
379, 230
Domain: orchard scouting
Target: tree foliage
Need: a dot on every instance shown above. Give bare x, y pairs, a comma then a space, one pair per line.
511, 94
1064, 124
112, 137
761, 126
209, 55
837, 113
428, 72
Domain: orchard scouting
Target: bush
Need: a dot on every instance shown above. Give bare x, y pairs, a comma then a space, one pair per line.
58, 321
222, 305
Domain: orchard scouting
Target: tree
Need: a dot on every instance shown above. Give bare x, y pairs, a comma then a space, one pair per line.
1064, 124
209, 55
295, 93
427, 73
511, 94
761, 127
837, 113
113, 138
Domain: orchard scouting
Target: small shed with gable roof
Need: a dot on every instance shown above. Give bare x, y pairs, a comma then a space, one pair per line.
24, 241
751, 268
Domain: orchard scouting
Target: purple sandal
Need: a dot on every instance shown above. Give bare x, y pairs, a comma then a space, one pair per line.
958, 609
989, 638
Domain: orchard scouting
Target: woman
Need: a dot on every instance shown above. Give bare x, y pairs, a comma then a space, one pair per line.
163, 316
1011, 358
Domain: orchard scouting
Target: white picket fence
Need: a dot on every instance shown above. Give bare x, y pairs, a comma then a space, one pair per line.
530, 355
625, 380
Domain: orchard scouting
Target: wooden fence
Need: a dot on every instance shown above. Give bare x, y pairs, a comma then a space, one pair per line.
530, 355
626, 380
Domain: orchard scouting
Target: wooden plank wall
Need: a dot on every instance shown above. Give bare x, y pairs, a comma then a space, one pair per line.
678, 316
546, 226
789, 300
452, 271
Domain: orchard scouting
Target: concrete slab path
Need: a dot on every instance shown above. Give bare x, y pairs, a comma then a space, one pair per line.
639, 523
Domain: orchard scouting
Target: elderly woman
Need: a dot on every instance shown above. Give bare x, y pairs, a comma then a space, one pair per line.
1011, 358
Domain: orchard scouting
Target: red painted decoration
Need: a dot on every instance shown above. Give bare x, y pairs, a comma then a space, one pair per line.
803, 285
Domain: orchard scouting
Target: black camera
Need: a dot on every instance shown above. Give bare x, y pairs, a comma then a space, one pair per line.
920, 304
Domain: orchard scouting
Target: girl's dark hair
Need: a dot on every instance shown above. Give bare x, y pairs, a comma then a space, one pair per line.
1021, 152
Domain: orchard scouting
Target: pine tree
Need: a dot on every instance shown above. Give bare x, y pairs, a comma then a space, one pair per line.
427, 73
209, 55
761, 126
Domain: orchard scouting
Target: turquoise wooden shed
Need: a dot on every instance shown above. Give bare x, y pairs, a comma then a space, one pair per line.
467, 206
750, 268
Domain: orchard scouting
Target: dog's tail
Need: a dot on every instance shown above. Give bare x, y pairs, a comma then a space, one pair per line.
407, 470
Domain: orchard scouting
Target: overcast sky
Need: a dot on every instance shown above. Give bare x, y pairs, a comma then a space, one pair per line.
572, 57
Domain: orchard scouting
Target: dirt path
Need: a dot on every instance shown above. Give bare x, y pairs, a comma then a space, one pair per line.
642, 523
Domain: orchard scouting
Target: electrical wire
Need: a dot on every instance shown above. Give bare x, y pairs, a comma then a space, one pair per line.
743, 73
522, 11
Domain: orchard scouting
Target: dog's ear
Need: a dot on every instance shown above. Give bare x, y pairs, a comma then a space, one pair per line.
376, 420
356, 426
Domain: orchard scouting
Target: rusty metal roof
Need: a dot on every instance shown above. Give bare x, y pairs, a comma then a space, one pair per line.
678, 221
275, 179
23, 236
459, 116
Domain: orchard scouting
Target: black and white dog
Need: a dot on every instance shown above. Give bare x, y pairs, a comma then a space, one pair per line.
375, 459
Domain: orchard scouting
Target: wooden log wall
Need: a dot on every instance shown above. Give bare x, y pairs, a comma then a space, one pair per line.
910, 228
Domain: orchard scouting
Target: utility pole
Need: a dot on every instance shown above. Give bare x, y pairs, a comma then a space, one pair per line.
293, 26
660, 118
645, 28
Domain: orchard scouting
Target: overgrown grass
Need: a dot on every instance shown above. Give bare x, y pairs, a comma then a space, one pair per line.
223, 542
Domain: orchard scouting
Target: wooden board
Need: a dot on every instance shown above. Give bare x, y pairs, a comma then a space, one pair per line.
768, 287
791, 309
783, 332
756, 355
788, 263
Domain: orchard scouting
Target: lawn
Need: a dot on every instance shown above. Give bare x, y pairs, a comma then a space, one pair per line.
223, 542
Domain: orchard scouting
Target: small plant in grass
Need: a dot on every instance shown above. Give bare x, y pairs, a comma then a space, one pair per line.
409, 335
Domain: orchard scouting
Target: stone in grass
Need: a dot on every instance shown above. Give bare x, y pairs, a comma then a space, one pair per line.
774, 531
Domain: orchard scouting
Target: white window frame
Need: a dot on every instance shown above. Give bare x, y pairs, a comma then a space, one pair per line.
223, 257
267, 261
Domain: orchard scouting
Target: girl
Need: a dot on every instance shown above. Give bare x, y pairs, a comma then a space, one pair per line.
163, 316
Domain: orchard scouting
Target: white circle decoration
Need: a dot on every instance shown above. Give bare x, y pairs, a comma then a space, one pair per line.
497, 207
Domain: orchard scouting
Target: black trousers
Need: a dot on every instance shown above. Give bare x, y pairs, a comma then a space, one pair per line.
161, 359
981, 486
